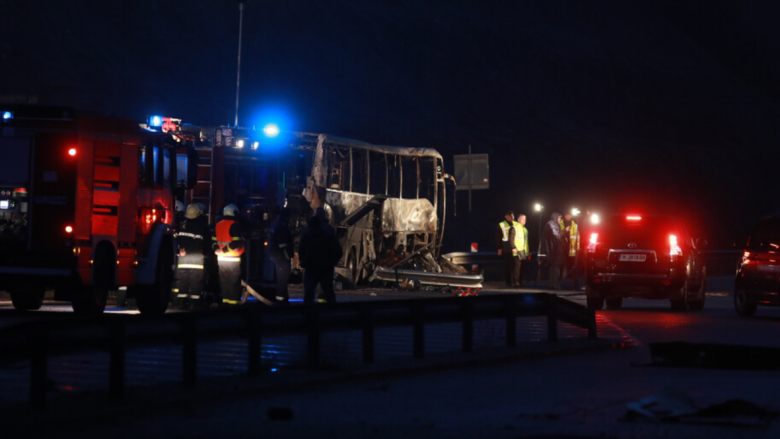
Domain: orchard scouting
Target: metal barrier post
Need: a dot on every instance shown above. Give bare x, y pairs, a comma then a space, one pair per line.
313, 345
38, 362
510, 305
255, 347
467, 314
116, 380
418, 324
367, 316
552, 318
189, 326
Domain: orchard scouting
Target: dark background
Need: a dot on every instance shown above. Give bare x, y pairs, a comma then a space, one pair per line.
601, 105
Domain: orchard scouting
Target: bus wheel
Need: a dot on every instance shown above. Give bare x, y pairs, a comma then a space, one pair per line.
153, 299
28, 299
91, 299
352, 268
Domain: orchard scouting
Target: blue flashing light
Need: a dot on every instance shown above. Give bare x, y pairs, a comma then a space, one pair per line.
7, 115
155, 121
271, 130
274, 369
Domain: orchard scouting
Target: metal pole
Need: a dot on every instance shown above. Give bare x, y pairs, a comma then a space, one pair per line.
539, 252
238, 72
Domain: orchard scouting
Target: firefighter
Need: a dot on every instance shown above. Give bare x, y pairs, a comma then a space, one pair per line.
280, 241
319, 251
193, 238
505, 241
228, 244
572, 239
521, 243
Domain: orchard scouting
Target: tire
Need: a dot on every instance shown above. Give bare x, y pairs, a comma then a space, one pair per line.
28, 299
742, 303
679, 301
91, 299
352, 268
698, 304
614, 303
595, 302
153, 299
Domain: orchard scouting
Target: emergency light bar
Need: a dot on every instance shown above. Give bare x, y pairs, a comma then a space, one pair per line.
7, 115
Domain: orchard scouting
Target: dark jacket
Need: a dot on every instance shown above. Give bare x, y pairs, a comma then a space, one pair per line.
194, 237
280, 239
319, 249
553, 243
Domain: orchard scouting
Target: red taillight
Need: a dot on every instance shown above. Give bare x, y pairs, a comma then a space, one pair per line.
633, 218
72, 152
594, 239
674, 249
68, 229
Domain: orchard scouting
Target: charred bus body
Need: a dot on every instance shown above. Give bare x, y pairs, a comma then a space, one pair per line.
387, 203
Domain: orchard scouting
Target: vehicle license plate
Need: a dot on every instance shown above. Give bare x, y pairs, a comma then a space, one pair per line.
632, 257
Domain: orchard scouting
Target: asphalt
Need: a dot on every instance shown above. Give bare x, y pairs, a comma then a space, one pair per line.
575, 388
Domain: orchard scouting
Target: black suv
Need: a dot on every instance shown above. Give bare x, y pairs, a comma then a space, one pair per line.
758, 274
645, 256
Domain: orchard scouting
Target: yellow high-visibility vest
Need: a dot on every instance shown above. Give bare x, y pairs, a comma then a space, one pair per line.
574, 237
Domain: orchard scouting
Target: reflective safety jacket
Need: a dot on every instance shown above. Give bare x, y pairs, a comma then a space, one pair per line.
521, 238
574, 238
505, 235
227, 235
193, 236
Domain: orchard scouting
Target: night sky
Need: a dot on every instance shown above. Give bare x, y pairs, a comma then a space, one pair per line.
660, 106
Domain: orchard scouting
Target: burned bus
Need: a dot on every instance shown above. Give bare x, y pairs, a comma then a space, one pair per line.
386, 203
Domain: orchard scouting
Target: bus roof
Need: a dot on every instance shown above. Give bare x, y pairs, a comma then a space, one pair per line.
345, 142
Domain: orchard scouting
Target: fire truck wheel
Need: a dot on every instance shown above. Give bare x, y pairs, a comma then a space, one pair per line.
28, 298
153, 299
91, 299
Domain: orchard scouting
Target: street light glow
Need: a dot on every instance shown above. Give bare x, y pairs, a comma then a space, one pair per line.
538, 207
594, 218
575, 211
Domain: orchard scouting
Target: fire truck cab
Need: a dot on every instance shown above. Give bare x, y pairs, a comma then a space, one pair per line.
86, 207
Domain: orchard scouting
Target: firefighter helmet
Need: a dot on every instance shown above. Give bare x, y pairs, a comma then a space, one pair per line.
230, 210
179, 206
193, 211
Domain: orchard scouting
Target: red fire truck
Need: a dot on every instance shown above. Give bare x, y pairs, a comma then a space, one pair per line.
86, 207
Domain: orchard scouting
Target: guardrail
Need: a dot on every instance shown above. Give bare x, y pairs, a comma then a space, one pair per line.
37, 341
718, 262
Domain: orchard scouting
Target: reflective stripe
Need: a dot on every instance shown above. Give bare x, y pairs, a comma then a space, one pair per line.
505, 230
230, 302
181, 296
223, 242
236, 238
196, 266
282, 245
228, 258
174, 290
191, 235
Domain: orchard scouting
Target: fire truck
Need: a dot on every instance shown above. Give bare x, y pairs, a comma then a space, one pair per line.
86, 207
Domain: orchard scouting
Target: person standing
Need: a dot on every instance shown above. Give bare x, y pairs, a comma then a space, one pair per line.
280, 240
554, 248
522, 245
572, 238
505, 241
228, 244
319, 252
192, 237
